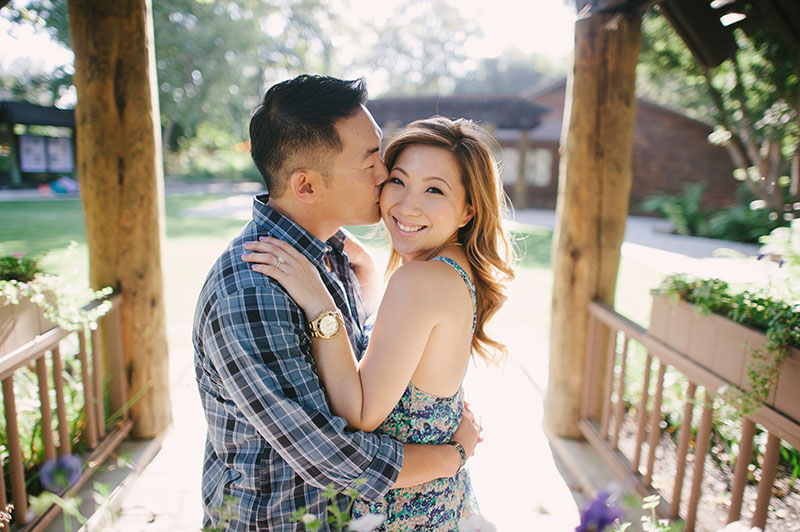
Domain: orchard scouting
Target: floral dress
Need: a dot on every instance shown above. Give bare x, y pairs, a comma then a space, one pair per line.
420, 417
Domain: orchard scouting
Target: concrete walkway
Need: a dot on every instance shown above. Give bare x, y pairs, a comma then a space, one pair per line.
523, 480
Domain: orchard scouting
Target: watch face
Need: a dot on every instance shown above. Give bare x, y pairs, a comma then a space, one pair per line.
329, 325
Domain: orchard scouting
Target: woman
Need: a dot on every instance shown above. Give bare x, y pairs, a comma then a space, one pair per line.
442, 206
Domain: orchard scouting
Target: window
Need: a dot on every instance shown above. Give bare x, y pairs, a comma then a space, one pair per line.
538, 166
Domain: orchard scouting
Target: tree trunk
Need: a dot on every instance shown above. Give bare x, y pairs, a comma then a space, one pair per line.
121, 176
595, 177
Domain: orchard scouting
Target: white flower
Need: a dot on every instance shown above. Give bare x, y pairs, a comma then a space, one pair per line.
739, 526
308, 518
366, 523
475, 523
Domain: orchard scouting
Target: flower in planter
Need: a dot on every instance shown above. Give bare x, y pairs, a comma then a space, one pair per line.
61, 474
599, 514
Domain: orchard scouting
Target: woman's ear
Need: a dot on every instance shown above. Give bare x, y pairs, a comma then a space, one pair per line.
469, 212
302, 185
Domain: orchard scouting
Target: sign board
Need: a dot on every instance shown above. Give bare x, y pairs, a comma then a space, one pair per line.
59, 155
32, 153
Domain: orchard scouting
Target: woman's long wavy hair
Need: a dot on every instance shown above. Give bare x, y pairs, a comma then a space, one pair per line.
486, 244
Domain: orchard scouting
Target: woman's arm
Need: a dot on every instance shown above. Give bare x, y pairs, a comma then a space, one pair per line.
412, 306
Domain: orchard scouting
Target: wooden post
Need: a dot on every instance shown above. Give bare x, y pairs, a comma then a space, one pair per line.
521, 185
594, 184
121, 176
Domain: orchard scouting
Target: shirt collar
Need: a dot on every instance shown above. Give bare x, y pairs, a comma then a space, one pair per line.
279, 226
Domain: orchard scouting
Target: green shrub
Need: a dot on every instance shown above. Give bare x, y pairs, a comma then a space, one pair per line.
683, 209
19, 267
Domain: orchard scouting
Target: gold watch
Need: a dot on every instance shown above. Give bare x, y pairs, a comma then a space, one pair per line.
327, 324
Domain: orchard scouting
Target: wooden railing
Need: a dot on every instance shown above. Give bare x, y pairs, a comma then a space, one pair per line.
97, 369
610, 339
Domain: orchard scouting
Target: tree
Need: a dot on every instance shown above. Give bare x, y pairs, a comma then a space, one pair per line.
753, 99
420, 48
213, 59
512, 72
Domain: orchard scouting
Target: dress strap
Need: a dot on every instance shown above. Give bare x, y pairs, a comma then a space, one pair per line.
464, 275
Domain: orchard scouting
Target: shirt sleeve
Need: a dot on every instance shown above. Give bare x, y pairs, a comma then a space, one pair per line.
264, 363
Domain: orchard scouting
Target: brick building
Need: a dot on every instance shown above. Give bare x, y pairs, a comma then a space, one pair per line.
670, 150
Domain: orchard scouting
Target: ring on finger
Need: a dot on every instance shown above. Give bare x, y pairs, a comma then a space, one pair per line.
280, 261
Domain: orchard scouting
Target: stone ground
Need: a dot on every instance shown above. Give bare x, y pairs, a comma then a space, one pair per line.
523, 479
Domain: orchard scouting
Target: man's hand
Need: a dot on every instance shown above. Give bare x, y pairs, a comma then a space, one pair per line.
468, 433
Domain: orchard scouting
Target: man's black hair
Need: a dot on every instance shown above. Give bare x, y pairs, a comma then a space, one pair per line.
295, 123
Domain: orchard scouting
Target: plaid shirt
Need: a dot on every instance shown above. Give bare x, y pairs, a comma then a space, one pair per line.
273, 443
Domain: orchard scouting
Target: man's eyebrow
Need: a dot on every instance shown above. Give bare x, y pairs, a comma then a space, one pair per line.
371, 151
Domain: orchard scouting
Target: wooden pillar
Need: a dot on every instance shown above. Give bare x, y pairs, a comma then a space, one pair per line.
521, 185
121, 176
594, 184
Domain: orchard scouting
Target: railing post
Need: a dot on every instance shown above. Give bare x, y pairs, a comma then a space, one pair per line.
619, 409
655, 420
88, 395
608, 381
65, 445
683, 447
47, 413
637, 456
15, 452
740, 475
112, 338
98, 395
702, 444
768, 470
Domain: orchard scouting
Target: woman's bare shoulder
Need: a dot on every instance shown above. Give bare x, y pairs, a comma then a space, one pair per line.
431, 281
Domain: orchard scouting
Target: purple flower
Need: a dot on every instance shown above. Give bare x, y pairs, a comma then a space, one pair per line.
599, 514
781, 263
761, 256
60, 474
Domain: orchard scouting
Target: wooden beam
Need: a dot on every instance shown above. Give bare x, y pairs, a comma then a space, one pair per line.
594, 186
699, 26
122, 186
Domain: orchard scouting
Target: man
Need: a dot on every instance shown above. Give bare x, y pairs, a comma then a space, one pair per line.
273, 443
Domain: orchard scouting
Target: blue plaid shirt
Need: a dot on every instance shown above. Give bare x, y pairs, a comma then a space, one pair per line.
273, 443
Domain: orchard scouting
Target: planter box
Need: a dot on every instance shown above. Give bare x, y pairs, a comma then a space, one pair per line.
19, 324
723, 347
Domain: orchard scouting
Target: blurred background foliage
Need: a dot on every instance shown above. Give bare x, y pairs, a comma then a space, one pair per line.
215, 58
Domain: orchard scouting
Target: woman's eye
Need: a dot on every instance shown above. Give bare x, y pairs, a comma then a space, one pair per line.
435, 190
395, 181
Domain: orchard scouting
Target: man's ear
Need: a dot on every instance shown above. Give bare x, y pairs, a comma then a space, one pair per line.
303, 185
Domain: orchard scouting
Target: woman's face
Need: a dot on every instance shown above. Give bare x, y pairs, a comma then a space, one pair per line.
423, 204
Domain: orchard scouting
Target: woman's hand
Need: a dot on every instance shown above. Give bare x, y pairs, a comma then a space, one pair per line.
279, 260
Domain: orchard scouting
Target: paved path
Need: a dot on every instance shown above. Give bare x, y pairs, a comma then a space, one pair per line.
520, 482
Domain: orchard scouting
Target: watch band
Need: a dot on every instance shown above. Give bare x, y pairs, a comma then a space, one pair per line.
461, 453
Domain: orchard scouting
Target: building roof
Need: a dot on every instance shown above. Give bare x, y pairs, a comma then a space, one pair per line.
508, 112
36, 115
702, 26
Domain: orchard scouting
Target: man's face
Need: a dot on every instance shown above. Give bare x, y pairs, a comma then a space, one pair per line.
353, 183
